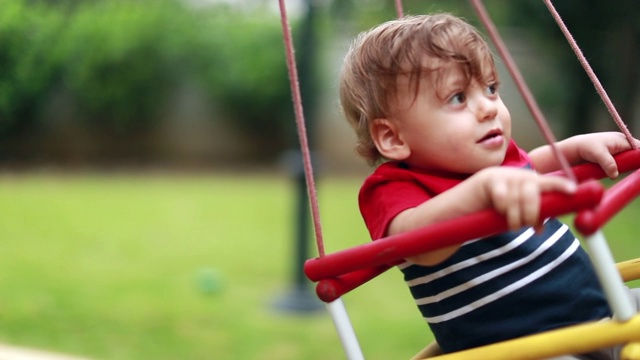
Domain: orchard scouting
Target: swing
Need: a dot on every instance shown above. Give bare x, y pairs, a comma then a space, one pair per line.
340, 272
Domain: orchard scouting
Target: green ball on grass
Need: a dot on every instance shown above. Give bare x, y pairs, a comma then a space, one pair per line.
209, 281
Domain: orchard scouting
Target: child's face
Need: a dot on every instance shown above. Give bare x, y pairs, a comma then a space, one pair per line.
457, 127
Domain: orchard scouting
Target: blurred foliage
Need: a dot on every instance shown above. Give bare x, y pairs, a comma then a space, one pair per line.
609, 36
27, 35
367, 13
121, 62
243, 65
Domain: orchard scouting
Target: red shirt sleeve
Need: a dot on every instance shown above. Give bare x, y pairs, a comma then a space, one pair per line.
393, 188
385, 194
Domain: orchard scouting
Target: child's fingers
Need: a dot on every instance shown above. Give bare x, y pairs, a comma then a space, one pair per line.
556, 183
517, 196
530, 203
505, 200
528, 198
498, 193
607, 163
514, 213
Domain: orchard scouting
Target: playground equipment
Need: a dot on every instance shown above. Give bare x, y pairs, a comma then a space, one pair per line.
342, 271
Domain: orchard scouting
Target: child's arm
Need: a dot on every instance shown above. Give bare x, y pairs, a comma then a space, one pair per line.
595, 147
511, 191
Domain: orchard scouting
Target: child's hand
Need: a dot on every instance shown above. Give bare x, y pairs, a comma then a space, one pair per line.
515, 193
599, 148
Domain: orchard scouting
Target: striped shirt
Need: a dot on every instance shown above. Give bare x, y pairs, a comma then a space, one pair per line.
493, 289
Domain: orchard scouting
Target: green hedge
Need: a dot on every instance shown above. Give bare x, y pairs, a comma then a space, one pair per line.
122, 60
248, 59
27, 67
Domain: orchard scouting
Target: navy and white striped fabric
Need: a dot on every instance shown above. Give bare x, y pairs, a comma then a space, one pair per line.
505, 286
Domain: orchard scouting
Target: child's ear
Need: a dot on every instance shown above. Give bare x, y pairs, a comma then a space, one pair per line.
388, 140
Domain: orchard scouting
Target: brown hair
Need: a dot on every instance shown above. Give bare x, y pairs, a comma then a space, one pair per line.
379, 56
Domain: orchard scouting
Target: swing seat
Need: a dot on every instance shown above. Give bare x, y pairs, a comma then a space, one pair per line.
629, 271
575, 339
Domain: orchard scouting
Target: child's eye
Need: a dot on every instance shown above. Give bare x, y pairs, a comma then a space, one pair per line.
457, 99
492, 89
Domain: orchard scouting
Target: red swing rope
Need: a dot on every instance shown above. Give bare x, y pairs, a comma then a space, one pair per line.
300, 121
522, 86
592, 75
399, 10
300, 125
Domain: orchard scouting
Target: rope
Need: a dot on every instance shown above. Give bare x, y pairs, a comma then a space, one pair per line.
300, 125
399, 10
522, 87
592, 75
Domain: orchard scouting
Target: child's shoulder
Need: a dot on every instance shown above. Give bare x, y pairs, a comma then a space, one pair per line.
391, 171
396, 176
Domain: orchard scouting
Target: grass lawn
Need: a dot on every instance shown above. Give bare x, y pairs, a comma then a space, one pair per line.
111, 267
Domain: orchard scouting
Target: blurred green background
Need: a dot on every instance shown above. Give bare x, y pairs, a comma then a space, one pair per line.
149, 198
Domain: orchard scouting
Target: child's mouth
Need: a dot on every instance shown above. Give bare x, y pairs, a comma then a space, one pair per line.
493, 137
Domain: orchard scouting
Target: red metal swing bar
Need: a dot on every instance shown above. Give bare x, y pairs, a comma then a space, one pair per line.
342, 271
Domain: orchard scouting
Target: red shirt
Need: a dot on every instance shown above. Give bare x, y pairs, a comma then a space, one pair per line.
394, 187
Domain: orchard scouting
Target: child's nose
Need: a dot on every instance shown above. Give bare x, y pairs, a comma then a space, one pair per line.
485, 108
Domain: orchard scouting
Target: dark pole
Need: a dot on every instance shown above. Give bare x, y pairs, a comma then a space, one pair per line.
300, 298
